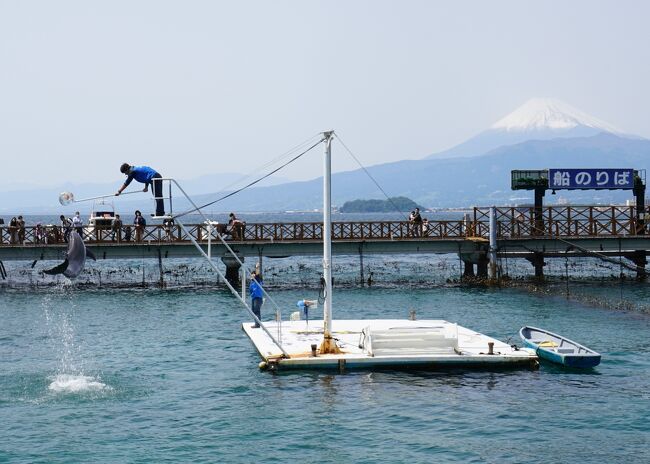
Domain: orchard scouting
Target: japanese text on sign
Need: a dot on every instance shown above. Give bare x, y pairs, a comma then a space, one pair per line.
590, 179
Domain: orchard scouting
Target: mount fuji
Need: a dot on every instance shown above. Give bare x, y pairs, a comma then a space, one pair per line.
537, 119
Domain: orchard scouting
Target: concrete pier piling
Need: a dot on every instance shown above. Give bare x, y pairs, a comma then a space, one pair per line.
537, 260
232, 270
639, 258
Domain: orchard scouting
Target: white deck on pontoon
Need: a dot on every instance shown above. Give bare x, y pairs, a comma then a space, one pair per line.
385, 342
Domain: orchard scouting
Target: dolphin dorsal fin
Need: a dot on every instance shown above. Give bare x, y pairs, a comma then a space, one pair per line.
90, 255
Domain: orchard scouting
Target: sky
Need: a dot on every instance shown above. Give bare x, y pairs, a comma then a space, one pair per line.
202, 87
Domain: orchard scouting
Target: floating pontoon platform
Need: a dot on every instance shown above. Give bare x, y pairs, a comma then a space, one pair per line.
368, 344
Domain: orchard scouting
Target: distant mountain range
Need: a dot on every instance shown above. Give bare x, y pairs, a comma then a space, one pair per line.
543, 133
458, 182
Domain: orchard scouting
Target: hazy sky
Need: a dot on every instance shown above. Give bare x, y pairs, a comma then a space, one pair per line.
196, 87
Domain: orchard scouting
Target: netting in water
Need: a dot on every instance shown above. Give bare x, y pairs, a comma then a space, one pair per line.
378, 270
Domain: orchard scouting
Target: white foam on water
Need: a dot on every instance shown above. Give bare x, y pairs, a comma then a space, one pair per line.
67, 383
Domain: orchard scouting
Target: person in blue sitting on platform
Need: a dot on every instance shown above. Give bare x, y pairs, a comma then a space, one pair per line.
146, 176
257, 295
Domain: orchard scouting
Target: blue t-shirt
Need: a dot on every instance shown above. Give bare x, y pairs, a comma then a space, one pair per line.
256, 289
142, 174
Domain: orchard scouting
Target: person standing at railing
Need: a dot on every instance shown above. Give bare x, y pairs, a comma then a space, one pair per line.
116, 228
139, 223
235, 227
425, 227
146, 176
78, 224
38, 233
21, 230
416, 221
66, 225
168, 226
13, 231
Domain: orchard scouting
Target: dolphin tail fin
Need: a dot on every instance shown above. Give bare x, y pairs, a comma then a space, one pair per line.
90, 254
60, 269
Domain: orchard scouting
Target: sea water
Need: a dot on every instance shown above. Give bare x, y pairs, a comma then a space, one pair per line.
168, 376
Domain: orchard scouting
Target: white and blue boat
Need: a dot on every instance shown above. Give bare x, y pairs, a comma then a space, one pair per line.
558, 349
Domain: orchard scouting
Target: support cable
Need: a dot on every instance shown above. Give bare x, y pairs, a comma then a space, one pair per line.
250, 184
270, 163
371, 177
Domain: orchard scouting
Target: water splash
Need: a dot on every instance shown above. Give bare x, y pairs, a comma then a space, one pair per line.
67, 383
70, 376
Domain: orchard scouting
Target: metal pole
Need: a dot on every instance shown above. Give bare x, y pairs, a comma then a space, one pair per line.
243, 283
160, 268
493, 243
328, 345
209, 239
361, 265
171, 208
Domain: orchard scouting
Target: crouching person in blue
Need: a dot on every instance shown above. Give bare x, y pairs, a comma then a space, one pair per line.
257, 295
146, 176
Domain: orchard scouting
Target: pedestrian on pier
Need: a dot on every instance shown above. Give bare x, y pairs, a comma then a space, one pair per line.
168, 226
425, 227
116, 228
66, 227
416, 222
146, 176
78, 224
139, 223
235, 227
39, 234
13, 231
21, 230
257, 294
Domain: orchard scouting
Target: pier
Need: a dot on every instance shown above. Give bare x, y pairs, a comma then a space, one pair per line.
521, 232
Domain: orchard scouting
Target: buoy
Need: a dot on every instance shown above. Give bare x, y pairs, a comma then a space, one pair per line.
263, 365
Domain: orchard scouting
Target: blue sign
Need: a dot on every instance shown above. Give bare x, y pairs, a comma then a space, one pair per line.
559, 179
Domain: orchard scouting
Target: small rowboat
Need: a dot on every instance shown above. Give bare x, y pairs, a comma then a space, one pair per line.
558, 349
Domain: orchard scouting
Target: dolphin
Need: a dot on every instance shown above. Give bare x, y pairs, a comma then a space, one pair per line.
75, 258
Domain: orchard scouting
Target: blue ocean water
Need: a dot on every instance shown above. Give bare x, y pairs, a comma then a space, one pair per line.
168, 376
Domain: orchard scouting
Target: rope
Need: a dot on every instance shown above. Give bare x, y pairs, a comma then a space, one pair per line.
250, 184
270, 163
371, 178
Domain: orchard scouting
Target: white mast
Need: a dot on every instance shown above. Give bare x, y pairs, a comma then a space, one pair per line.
328, 345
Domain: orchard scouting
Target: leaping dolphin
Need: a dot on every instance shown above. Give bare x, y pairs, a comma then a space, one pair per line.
75, 258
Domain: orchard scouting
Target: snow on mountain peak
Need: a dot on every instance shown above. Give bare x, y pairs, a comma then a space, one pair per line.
549, 113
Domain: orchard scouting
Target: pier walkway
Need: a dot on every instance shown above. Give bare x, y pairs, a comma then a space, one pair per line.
559, 231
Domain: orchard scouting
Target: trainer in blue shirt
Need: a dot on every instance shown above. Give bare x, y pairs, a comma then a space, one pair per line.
145, 175
257, 295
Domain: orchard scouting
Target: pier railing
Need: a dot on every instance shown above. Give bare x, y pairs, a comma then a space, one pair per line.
560, 221
512, 222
